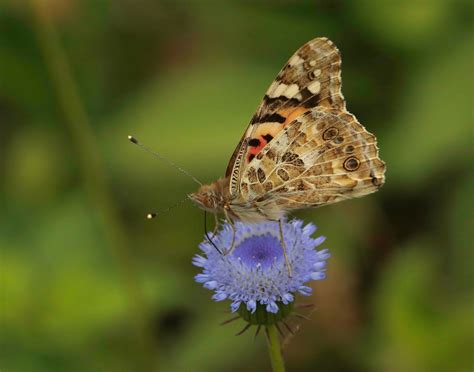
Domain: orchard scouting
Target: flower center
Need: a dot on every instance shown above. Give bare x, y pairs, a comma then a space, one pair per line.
261, 250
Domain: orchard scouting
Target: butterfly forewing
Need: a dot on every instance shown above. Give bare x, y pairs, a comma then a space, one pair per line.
310, 78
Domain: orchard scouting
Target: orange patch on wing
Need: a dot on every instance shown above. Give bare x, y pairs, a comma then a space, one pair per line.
291, 114
255, 150
268, 128
273, 129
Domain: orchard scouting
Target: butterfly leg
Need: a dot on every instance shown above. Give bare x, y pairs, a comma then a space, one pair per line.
283, 245
231, 223
216, 226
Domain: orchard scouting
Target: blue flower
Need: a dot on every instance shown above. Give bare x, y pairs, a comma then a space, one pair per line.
255, 273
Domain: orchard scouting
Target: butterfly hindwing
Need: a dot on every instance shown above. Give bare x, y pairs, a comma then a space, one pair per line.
322, 157
311, 78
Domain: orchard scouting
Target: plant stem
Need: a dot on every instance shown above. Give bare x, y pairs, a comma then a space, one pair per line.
94, 177
274, 349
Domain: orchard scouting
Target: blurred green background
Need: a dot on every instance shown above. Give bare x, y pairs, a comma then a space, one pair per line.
87, 284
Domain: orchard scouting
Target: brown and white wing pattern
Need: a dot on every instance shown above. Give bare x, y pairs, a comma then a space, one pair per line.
322, 157
311, 78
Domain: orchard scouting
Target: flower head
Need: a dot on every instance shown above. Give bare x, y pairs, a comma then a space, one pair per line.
255, 273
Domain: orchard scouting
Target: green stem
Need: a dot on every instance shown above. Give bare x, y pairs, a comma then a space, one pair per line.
94, 177
274, 349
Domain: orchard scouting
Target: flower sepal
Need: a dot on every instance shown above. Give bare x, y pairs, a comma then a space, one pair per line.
261, 316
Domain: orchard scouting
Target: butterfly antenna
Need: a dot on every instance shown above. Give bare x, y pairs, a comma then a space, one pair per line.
163, 158
153, 215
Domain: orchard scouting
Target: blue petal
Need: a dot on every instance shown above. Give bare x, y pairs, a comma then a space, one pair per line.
251, 306
305, 290
212, 284
309, 229
324, 254
234, 306
318, 275
204, 246
319, 240
319, 265
272, 307
287, 298
201, 278
199, 261
220, 296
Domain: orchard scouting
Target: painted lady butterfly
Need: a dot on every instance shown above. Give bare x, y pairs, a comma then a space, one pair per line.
302, 149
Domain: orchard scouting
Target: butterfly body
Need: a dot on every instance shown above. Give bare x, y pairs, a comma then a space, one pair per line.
216, 199
302, 148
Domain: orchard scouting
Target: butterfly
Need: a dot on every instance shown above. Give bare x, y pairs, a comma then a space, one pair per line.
302, 148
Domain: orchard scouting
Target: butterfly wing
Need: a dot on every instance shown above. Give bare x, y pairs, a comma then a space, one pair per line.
322, 157
310, 78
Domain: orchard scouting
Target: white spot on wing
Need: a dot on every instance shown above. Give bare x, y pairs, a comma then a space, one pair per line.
272, 88
298, 96
291, 90
314, 87
279, 90
295, 60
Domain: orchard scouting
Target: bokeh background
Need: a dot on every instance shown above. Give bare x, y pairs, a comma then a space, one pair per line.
88, 284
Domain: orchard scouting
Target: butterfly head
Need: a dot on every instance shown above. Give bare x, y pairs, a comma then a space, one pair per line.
209, 198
